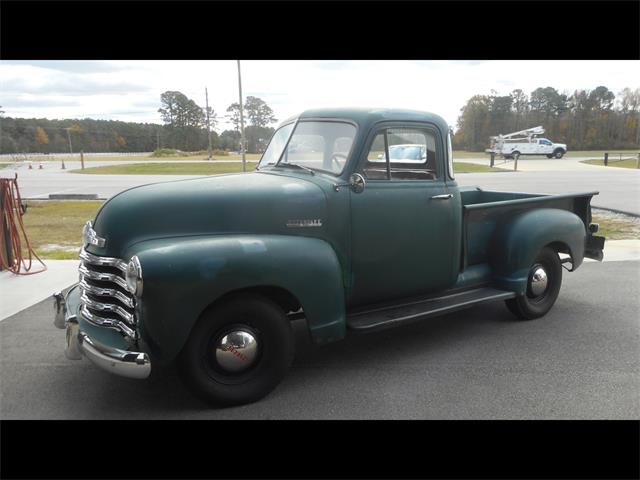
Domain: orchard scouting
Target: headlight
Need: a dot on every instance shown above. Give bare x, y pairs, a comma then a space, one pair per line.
134, 276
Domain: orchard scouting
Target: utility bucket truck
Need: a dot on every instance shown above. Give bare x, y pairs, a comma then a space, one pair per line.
524, 142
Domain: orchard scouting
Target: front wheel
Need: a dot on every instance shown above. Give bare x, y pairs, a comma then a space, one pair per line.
543, 287
558, 154
238, 352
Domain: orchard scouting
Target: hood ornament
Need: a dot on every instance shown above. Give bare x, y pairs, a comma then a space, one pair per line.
90, 237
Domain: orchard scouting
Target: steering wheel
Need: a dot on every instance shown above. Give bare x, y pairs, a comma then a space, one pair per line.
335, 156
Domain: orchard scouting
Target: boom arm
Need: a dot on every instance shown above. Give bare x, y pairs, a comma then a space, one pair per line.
526, 134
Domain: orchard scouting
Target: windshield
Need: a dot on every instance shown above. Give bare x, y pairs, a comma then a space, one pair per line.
318, 145
276, 145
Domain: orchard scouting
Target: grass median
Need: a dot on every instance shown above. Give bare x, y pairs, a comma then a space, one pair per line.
166, 168
202, 168
628, 163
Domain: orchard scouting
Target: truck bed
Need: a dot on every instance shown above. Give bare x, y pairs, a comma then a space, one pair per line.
483, 211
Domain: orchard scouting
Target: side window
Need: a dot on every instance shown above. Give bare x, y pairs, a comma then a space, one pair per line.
401, 154
375, 166
412, 154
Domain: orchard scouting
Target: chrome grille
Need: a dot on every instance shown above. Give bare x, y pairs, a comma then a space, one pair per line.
105, 300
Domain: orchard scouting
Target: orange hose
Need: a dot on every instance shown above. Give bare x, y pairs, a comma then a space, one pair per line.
11, 216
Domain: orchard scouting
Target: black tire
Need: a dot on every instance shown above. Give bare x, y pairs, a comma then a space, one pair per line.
197, 362
558, 154
530, 306
550, 156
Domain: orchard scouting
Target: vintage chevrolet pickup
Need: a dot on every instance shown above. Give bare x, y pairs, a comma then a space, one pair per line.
330, 229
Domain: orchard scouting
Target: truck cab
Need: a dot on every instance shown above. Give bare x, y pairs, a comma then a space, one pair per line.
352, 222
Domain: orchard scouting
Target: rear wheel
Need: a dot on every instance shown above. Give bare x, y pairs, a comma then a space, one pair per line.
238, 352
549, 156
543, 287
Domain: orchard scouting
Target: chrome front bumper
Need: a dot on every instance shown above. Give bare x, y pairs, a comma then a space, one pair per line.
120, 362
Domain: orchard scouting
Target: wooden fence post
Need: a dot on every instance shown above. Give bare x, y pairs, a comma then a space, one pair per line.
606, 159
82, 159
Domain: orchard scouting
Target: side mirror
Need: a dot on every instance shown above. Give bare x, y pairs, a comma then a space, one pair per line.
356, 183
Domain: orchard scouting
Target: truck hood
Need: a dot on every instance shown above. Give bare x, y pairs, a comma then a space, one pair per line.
237, 203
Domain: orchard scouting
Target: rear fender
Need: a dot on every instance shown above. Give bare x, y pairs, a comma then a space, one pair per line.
183, 276
517, 242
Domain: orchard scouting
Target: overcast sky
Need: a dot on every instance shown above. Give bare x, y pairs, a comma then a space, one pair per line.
130, 90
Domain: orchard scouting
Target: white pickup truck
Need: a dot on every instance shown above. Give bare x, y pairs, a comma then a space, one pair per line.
512, 145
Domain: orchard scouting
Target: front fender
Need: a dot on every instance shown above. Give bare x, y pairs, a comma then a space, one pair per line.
183, 276
516, 244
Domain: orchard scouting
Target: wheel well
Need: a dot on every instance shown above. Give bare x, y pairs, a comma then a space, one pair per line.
559, 149
280, 296
561, 247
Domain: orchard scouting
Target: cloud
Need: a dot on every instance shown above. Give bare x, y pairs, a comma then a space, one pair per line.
130, 90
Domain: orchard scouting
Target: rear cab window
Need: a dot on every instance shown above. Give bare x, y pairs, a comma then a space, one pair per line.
402, 153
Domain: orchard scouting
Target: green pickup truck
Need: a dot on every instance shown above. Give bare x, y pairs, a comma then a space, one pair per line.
351, 222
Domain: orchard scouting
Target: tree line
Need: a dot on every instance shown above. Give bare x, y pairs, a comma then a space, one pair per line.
184, 128
584, 119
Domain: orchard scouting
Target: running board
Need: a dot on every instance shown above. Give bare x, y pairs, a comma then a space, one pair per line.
390, 316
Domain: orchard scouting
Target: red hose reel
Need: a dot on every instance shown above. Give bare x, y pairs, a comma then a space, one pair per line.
12, 235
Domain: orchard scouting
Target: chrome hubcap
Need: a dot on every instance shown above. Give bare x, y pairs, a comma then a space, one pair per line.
236, 350
538, 281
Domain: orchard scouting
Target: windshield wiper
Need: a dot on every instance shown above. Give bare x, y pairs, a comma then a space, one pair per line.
295, 165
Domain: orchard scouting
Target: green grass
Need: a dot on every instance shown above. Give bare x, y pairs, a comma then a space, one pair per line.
461, 167
617, 227
628, 163
600, 153
188, 157
219, 168
157, 168
54, 229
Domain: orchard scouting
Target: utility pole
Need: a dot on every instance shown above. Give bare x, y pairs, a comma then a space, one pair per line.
244, 159
70, 147
206, 96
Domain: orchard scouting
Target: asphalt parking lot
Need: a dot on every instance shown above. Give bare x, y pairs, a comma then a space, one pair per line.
582, 361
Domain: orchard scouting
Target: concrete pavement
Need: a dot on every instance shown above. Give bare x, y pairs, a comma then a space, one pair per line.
18, 292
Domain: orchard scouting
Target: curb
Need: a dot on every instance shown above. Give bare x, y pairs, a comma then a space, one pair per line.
631, 214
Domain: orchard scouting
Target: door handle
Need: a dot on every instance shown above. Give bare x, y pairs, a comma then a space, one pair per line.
446, 196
